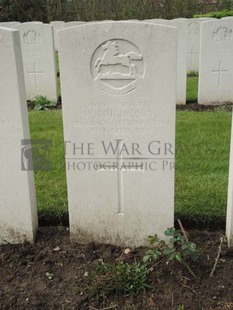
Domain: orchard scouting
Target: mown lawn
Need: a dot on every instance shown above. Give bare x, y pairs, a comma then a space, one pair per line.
50, 185
192, 89
202, 146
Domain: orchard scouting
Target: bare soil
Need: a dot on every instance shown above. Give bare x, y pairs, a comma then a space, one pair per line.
187, 107
204, 108
25, 281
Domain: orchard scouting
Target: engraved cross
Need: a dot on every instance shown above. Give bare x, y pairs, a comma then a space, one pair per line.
220, 71
120, 168
35, 73
192, 53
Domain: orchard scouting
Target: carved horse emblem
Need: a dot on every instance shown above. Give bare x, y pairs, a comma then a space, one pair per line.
117, 66
112, 57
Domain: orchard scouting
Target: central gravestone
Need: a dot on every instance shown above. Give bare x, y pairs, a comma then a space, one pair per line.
118, 87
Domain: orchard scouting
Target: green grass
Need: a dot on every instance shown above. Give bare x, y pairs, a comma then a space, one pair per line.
50, 185
202, 140
202, 167
192, 89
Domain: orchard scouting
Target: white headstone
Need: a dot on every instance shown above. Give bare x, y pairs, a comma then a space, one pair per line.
18, 216
180, 19
34, 22
156, 20
9, 24
229, 220
181, 56
73, 24
193, 42
118, 87
38, 60
181, 60
57, 25
228, 17
216, 62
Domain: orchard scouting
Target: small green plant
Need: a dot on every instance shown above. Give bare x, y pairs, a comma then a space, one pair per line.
177, 249
219, 14
49, 275
181, 307
157, 251
42, 103
123, 278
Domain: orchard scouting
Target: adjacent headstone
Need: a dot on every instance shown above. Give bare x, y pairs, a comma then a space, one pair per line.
119, 93
73, 24
193, 43
156, 20
229, 220
9, 24
38, 60
181, 56
216, 62
180, 19
228, 17
18, 216
57, 25
181, 61
34, 22
99, 21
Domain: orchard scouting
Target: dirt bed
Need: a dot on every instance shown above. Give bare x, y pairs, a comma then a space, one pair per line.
53, 274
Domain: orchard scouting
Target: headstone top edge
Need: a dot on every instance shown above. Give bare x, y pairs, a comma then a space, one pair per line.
8, 30
118, 23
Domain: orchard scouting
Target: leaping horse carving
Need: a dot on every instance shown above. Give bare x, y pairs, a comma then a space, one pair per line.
111, 57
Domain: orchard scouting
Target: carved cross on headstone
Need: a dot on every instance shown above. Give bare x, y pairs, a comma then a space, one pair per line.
220, 71
35, 73
193, 53
120, 168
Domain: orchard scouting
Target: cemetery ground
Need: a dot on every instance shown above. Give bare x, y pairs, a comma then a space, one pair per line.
202, 155
54, 274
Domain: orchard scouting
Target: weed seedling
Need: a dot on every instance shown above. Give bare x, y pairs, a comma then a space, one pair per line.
177, 249
42, 103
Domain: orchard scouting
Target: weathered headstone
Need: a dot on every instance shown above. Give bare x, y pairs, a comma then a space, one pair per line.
18, 216
9, 24
181, 56
33, 22
181, 61
118, 88
216, 62
229, 220
228, 17
73, 24
180, 19
57, 25
38, 60
193, 42
156, 20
